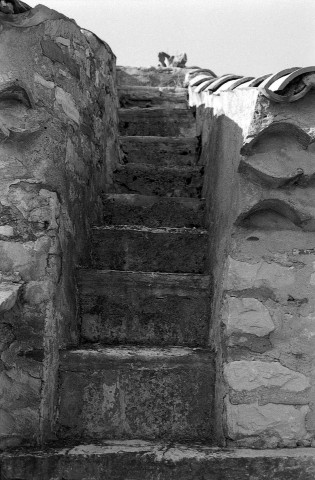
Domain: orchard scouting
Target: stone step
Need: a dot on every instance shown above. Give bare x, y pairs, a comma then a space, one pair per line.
134, 248
153, 211
160, 151
157, 121
144, 308
161, 181
151, 76
148, 97
133, 392
145, 460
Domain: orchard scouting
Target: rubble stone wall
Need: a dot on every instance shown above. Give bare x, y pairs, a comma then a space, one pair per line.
58, 146
260, 164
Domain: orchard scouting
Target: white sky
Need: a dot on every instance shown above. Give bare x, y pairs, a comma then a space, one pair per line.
249, 37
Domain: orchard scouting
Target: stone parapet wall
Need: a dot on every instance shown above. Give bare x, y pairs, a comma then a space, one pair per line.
259, 159
58, 144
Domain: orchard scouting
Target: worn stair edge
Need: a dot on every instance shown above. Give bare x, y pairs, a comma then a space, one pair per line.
139, 248
168, 151
146, 97
151, 76
160, 181
91, 280
157, 121
98, 357
143, 460
153, 211
137, 392
144, 308
154, 91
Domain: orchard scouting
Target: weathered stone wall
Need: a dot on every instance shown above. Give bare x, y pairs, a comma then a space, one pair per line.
58, 144
259, 158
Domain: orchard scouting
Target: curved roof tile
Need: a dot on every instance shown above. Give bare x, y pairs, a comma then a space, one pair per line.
288, 85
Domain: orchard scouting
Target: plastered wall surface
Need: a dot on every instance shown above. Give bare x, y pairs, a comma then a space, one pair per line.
259, 157
58, 146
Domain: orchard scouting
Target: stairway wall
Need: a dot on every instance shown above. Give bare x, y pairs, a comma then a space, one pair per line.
259, 194
58, 129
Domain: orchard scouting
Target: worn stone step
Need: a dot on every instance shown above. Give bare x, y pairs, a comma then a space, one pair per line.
144, 308
133, 392
161, 181
153, 211
145, 460
161, 122
134, 248
151, 76
160, 151
148, 97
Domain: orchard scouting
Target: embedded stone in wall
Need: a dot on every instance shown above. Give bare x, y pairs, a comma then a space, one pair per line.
66, 101
29, 258
242, 275
248, 375
285, 422
8, 296
6, 231
248, 315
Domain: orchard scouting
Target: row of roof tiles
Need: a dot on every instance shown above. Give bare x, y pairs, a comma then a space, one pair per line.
286, 86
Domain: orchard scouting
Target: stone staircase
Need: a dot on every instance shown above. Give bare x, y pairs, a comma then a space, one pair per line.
137, 395
143, 369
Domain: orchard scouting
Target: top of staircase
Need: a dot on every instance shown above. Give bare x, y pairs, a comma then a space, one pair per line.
152, 76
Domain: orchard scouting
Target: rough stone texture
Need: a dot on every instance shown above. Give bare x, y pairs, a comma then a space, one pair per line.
151, 76
148, 97
143, 460
157, 121
8, 296
160, 151
277, 425
144, 308
150, 250
153, 211
248, 315
248, 375
261, 244
57, 151
143, 393
161, 181
242, 275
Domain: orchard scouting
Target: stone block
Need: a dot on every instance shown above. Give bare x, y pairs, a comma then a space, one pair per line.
66, 101
161, 181
145, 249
248, 315
143, 460
148, 97
29, 258
144, 308
151, 76
157, 121
242, 275
285, 422
8, 296
252, 374
160, 151
147, 393
6, 231
153, 211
